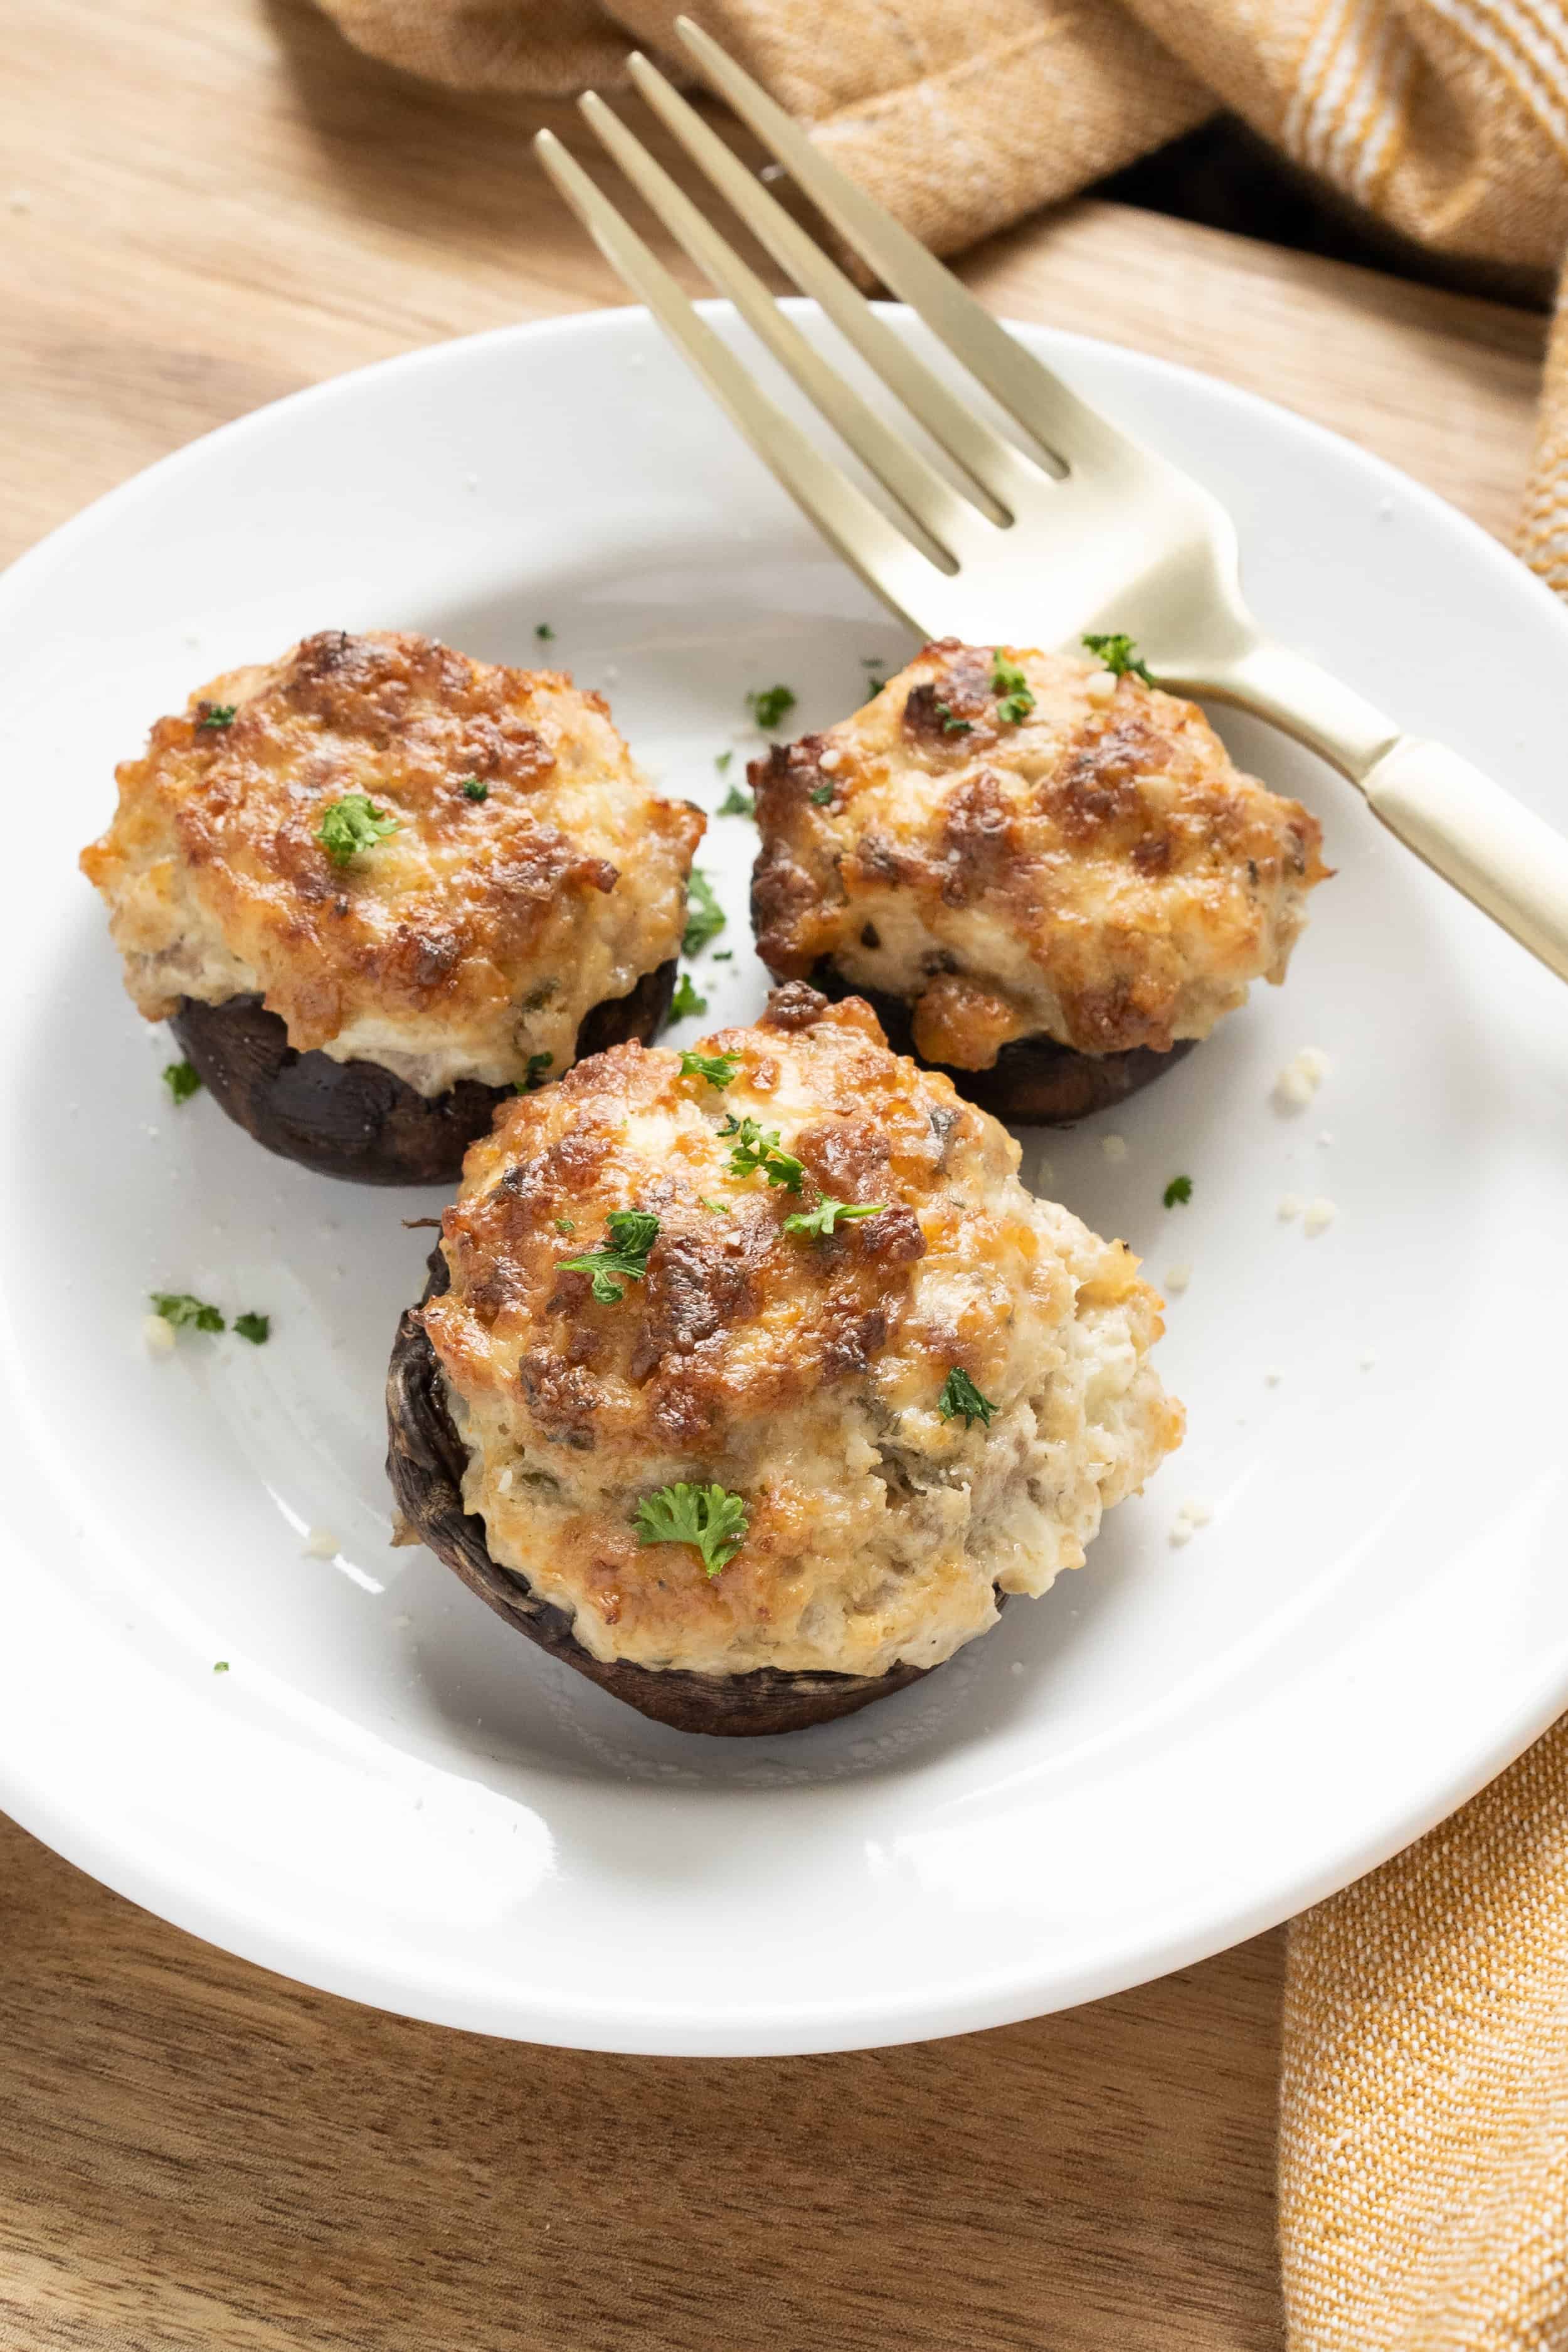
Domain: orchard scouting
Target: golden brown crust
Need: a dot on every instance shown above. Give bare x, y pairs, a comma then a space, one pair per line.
426, 1463
477, 934
1098, 873
661, 1368
802, 1373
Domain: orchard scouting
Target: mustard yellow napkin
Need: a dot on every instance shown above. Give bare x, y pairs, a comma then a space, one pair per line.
1424, 2118
1544, 527
1423, 2146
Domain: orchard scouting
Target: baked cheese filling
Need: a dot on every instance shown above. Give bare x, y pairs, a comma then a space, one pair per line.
415, 859
764, 1357
1021, 844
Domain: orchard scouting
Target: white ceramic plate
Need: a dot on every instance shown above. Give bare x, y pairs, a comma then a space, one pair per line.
390, 1796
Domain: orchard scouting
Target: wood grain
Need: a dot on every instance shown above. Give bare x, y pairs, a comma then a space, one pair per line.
202, 209
194, 2154
222, 204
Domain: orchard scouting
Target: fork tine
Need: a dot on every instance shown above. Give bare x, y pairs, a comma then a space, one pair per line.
1042, 404
995, 468
885, 558
944, 521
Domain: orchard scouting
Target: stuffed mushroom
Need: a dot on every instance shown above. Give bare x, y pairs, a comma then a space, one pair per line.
1042, 870
750, 1379
376, 886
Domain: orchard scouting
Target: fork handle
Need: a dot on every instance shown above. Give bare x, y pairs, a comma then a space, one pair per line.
1511, 864
1507, 862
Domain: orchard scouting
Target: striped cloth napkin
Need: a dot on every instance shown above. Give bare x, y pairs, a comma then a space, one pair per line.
1423, 2139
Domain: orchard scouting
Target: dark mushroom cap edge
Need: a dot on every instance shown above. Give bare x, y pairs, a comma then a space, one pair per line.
356, 1119
1034, 1081
425, 1459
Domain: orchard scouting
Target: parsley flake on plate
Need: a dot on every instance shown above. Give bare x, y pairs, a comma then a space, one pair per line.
633, 1233
755, 1149
770, 706
704, 915
181, 1081
1179, 1188
217, 714
708, 1516
960, 1395
473, 789
829, 1213
351, 825
1008, 681
736, 802
544, 631
532, 1078
185, 1313
254, 1328
718, 1069
1119, 657
220, 1665
686, 999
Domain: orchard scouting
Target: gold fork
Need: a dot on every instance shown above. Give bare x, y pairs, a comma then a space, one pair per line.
1099, 534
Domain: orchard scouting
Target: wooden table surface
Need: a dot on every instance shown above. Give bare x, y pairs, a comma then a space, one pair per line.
202, 208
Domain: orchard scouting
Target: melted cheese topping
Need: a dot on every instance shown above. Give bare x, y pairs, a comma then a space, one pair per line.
1099, 873
475, 935
800, 1373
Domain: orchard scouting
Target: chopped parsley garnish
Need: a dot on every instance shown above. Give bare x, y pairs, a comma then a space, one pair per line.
718, 1069
1008, 681
950, 725
827, 1213
1179, 1188
473, 790
770, 706
254, 1328
708, 1516
217, 714
633, 1233
820, 795
1119, 657
181, 1081
185, 1313
533, 1074
720, 1208
351, 825
754, 1149
220, 1665
723, 955
544, 633
704, 915
874, 667
736, 802
722, 761
686, 999
565, 1225
960, 1395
